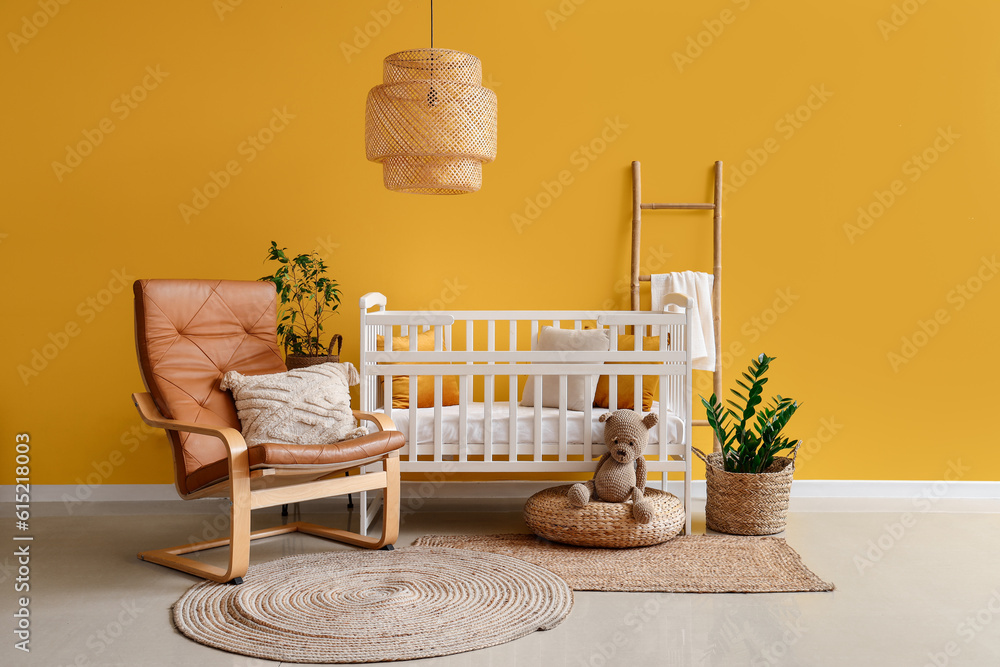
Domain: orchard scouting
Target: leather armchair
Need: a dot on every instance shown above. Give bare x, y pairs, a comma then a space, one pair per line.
188, 333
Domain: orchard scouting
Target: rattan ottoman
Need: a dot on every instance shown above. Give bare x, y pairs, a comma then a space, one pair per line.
549, 514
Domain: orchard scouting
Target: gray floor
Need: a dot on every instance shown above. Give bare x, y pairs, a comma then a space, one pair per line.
920, 589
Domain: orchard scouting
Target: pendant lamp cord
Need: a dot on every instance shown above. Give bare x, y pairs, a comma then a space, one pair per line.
432, 95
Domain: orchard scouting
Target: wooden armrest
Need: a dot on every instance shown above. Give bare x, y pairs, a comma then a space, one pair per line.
236, 446
232, 438
382, 421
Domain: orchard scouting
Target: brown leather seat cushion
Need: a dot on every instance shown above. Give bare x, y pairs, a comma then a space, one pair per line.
270, 454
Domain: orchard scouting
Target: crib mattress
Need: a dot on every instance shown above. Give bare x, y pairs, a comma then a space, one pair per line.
525, 424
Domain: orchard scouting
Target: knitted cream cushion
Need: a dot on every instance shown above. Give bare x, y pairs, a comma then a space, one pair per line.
307, 406
567, 340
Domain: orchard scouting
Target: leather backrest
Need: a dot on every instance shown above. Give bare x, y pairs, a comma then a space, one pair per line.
188, 333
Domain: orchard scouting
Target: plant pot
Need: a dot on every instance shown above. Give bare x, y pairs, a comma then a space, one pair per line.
293, 361
747, 503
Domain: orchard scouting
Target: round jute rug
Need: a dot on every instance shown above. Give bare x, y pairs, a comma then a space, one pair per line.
375, 606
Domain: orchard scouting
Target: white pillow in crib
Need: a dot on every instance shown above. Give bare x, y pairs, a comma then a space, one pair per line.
306, 406
565, 340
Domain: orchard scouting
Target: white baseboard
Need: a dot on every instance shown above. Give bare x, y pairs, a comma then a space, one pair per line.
808, 495
832, 490
73, 493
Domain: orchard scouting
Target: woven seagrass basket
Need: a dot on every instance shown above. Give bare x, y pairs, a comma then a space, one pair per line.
747, 503
293, 361
599, 524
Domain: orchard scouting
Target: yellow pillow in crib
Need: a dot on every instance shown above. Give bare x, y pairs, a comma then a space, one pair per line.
425, 383
626, 388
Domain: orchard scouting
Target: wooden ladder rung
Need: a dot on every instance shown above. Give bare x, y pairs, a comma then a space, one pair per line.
694, 206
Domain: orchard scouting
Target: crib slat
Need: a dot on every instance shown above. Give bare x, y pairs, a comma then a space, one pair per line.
438, 399
512, 400
387, 401
588, 420
463, 417
637, 379
364, 389
613, 379
662, 424
537, 411
364, 384
438, 433
470, 346
488, 417
668, 398
489, 383
512, 418
372, 344
465, 395
412, 398
413, 401
563, 398
668, 395
387, 385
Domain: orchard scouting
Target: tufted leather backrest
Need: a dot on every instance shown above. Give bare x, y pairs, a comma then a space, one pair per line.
188, 333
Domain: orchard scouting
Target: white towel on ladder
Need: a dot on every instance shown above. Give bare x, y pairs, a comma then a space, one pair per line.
697, 286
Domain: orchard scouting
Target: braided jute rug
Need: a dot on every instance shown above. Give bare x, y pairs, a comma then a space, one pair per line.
375, 606
685, 564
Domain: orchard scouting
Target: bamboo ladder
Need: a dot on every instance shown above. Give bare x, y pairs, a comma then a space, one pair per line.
716, 207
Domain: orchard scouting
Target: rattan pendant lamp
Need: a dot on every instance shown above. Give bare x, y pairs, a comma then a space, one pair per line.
431, 123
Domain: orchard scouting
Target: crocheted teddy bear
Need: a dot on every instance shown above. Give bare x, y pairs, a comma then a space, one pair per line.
621, 471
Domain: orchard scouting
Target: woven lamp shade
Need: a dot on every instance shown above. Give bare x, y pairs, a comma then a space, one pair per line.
431, 124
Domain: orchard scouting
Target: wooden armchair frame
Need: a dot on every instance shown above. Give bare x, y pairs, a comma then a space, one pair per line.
268, 487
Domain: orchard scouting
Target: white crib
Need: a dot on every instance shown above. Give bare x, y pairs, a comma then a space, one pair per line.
488, 431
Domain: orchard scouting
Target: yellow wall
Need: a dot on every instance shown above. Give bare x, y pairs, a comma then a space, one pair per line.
884, 86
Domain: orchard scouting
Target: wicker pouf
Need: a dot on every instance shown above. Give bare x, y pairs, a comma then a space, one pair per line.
550, 515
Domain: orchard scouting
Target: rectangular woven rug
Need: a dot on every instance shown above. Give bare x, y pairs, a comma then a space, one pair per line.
685, 564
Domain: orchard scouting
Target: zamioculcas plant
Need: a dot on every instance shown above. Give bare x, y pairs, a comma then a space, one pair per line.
751, 439
307, 298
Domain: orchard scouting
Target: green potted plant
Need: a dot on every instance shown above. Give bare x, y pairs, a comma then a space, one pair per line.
748, 483
307, 298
